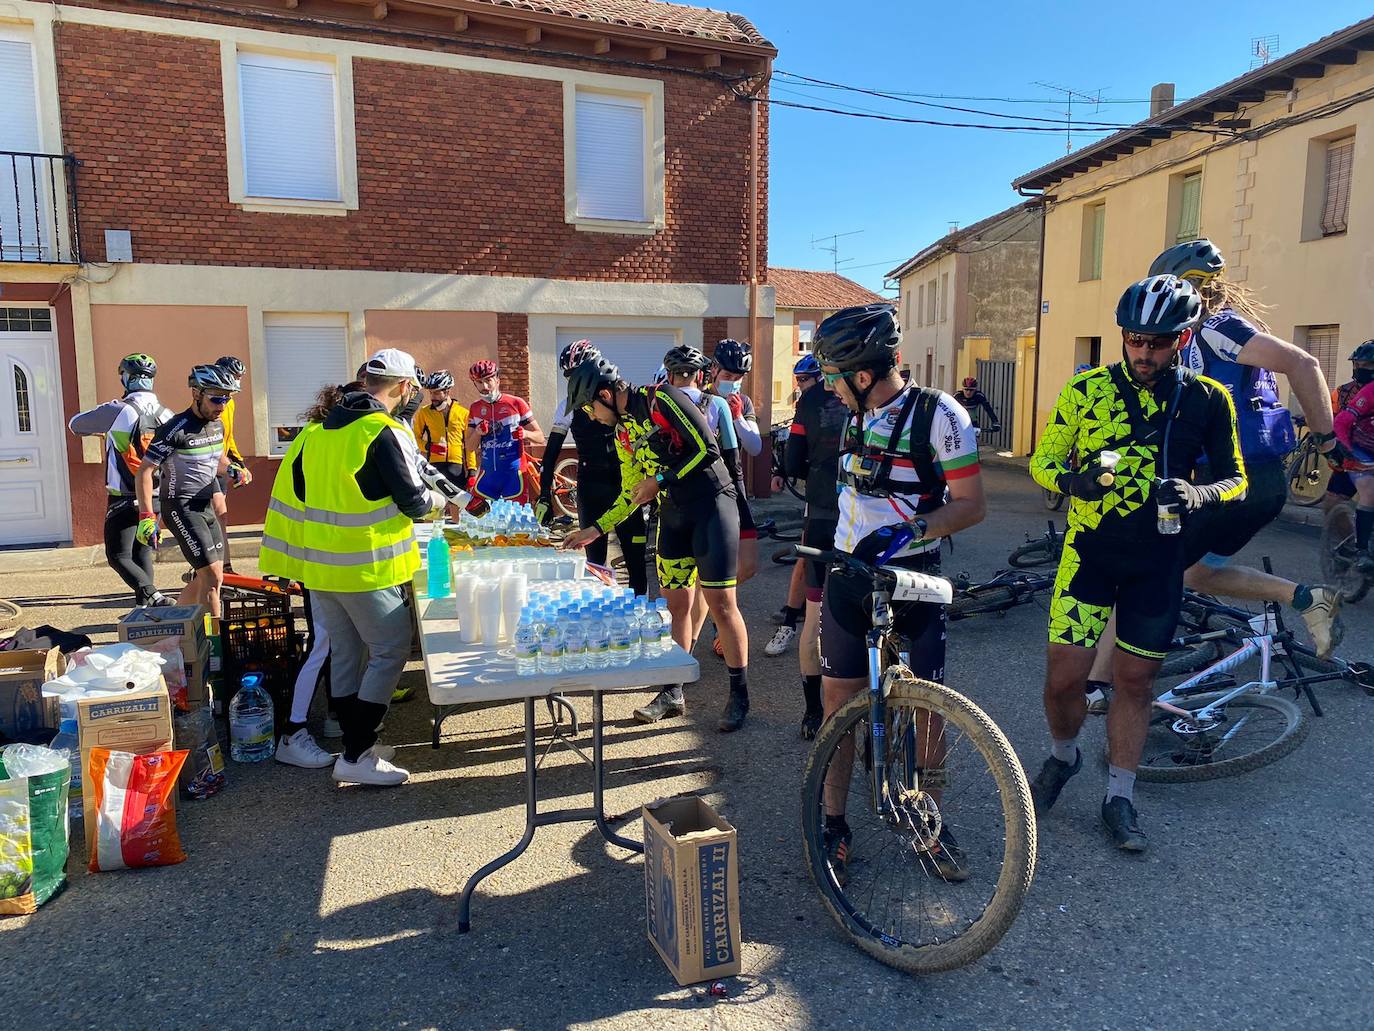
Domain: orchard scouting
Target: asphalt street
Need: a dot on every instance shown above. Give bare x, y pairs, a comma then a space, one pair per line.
305, 905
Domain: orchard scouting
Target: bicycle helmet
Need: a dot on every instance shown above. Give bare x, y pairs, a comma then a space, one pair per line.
137, 366
734, 356
685, 358
440, 379
660, 376
233, 366
1363, 353
1196, 260
212, 377
589, 377
485, 369
1081, 368
807, 366
970, 383
1158, 306
575, 354
863, 337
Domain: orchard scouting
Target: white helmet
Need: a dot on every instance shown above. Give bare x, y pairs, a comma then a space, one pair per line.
392, 363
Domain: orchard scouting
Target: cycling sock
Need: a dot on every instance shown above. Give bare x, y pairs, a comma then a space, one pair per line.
739, 680
1364, 522
838, 824
1065, 751
293, 727
790, 616
811, 691
1302, 597
1120, 784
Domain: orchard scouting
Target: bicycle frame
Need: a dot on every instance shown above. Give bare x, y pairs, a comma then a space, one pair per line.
1261, 644
877, 640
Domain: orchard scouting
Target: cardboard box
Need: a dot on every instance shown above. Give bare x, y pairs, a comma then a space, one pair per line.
186, 622
23, 709
197, 679
136, 721
691, 887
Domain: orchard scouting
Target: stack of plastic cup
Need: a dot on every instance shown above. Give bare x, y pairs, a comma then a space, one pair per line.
489, 611
514, 594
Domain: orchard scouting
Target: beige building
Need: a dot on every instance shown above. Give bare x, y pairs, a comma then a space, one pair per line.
1268, 166
803, 300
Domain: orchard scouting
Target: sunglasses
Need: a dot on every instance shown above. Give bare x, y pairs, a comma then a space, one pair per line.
218, 399
1152, 343
831, 378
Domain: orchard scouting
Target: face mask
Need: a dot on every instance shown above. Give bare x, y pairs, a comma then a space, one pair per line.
493, 397
1363, 376
727, 386
407, 409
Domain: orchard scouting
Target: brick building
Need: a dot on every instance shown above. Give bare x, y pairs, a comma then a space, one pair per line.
301, 183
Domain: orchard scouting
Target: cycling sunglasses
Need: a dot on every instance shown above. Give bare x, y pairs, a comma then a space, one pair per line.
219, 399
1151, 342
831, 378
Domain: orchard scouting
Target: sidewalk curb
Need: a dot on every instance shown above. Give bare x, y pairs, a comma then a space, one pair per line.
244, 542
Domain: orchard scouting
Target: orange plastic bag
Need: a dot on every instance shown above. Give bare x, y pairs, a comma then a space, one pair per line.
136, 824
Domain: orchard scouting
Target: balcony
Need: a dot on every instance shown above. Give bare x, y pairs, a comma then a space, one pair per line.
38, 210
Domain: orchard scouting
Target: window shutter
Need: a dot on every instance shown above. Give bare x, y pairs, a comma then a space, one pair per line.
930, 303
944, 297
921, 305
303, 355
20, 237
1099, 235
1190, 209
1323, 343
610, 157
636, 352
1340, 157
290, 143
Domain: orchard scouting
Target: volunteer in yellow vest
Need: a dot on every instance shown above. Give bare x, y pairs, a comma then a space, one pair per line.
439, 429
340, 522
232, 467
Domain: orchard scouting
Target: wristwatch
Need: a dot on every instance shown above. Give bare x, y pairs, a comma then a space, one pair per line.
921, 525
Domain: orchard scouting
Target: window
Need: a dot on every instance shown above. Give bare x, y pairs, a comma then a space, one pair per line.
26, 320
1189, 209
806, 329
23, 208
930, 305
304, 353
23, 412
777, 391
1340, 157
921, 305
944, 297
1322, 343
288, 112
1094, 232
611, 146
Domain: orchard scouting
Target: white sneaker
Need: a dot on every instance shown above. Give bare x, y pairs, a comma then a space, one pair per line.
1322, 622
300, 749
332, 728
369, 769
782, 637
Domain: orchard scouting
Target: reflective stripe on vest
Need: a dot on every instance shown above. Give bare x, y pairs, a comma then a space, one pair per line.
284, 523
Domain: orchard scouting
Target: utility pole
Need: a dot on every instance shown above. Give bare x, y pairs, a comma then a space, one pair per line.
1095, 99
834, 246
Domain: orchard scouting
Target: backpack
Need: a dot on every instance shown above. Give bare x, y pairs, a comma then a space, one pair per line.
918, 413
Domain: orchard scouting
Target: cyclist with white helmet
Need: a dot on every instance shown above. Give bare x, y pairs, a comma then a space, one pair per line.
733, 359
439, 427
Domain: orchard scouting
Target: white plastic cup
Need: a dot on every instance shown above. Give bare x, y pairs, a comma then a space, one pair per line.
514, 594
1108, 460
489, 612
567, 568
548, 569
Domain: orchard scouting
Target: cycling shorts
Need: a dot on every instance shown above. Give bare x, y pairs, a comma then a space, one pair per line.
1213, 535
1144, 583
817, 533
846, 616
196, 529
1341, 484
699, 542
747, 530
221, 484
594, 499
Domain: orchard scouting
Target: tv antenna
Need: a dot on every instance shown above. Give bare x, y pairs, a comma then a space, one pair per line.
1263, 49
1070, 95
834, 247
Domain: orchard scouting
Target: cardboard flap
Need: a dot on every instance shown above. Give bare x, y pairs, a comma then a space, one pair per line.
687, 817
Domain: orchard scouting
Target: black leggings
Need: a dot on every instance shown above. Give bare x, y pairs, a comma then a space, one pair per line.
593, 501
131, 560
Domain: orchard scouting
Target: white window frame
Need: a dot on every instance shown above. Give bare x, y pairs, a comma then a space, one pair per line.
806, 331
655, 213
329, 320
345, 136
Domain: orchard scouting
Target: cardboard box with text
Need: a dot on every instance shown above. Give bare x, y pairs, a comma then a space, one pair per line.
135, 721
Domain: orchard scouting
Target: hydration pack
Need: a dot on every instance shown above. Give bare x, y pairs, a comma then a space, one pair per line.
1264, 425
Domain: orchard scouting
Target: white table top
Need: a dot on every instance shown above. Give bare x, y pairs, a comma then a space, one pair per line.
457, 672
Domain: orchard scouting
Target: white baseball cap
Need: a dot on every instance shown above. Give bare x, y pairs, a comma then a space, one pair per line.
390, 361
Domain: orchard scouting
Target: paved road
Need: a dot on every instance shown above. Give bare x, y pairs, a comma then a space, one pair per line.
303, 905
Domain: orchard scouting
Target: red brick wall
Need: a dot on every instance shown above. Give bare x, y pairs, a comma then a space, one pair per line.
513, 356
458, 171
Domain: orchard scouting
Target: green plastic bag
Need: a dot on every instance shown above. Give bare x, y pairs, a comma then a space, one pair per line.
34, 782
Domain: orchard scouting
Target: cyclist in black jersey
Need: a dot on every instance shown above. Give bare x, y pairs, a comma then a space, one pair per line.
665, 446
188, 449
598, 476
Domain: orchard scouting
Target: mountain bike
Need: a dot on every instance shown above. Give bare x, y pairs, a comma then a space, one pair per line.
778, 436
1038, 551
931, 759
1053, 500
1004, 591
1340, 556
563, 493
1307, 469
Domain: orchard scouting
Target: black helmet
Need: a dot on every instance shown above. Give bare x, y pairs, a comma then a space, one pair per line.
685, 358
441, 379
137, 366
233, 366
212, 377
1158, 306
589, 377
863, 337
733, 356
1196, 260
1363, 353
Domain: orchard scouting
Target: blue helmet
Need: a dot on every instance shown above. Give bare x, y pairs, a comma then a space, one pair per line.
1081, 368
807, 366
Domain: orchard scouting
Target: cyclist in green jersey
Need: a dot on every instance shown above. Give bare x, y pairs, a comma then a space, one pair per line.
1120, 549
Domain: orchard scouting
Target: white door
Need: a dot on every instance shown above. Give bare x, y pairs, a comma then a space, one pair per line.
637, 352
33, 487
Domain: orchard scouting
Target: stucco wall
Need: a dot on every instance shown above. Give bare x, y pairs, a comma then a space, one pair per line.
934, 340
1002, 293
450, 340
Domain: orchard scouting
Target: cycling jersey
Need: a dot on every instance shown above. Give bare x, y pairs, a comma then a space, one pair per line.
746, 425
231, 447
440, 435
188, 450
974, 404
129, 425
595, 443
951, 443
1264, 425
1354, 427
500, 454
718, 418
812, 452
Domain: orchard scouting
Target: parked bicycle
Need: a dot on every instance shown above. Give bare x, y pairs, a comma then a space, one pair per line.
929, 758
1038, 551
1307, 468
1340, 556
1002, 592
778, 435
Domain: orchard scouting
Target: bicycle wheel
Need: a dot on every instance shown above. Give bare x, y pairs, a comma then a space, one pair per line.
893, 904
795, 487
1054, 501
1040, 552
1252, 730
565, 488
1190, 659
1339, 554
977, 601
1306, 483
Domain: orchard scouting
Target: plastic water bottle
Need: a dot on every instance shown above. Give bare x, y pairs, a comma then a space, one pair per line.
1167, 521
598, 638
574, 643
665, 627
552, 645
251, 736
526, 646
69, 745
437, 561
618, 629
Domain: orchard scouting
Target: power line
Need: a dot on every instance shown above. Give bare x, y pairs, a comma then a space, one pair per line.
963, 125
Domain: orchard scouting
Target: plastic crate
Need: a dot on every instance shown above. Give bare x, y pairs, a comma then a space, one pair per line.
259, 635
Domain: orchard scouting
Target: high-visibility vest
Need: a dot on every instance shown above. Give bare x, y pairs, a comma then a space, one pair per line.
335, 539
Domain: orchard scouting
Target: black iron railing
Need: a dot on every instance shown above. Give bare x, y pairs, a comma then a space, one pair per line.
38, 209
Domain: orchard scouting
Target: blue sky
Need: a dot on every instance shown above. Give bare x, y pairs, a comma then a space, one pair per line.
903, 184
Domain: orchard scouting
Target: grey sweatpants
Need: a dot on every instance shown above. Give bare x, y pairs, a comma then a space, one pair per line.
369, 640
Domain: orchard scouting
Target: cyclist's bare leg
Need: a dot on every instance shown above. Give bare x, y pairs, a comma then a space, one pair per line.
796, 587
1239, 582
809, 646
699, 612
1128, 719
1066, 672
748, 563
680, 607
1102, 655
734, 639
837, 691
204, 588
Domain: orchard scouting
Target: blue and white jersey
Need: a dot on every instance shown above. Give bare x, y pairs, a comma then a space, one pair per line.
1224, 334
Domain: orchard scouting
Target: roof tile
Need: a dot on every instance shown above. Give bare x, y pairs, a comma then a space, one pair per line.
652, 15
803, 288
